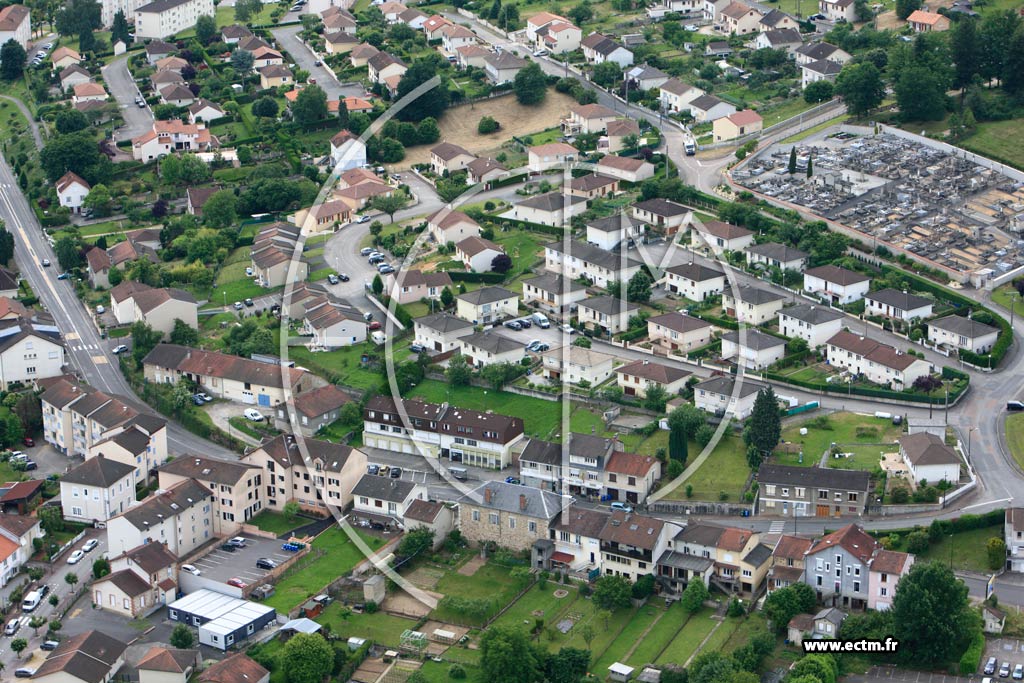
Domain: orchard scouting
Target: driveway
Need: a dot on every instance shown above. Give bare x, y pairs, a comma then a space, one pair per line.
221, 411
124, 89
288, 39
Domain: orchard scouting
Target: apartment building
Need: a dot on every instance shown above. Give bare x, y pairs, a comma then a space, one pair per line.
325, 481
96, 490
836, 566
631, 544
237, 488
181, 517
168, 17
811, 491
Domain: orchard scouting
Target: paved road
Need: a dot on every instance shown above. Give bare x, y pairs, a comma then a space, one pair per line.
137, 120
288, 39
886, 674
86, 352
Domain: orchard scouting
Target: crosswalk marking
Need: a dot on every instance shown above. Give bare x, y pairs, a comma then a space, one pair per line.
777, 527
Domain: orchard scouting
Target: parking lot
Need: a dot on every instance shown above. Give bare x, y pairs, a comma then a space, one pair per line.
221, 565
1005, 650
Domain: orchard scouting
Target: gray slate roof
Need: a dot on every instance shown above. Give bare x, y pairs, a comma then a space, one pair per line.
383, 488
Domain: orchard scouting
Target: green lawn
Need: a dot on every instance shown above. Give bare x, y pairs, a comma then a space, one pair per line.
660, 635
968, 549
437, 672
1006, 295
1015, 436
490, 582
628, 637
775, 113
538, 601
380, 627
232, 284
1000, 140
803, 135
842, 429
864, 458
725, 470
277, 522
524, 247
688, 639
346, 363
333, 555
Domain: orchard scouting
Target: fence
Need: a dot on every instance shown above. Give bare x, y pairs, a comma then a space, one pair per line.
67, 546
701, 507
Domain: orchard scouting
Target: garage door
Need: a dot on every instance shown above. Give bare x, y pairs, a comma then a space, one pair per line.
406, 448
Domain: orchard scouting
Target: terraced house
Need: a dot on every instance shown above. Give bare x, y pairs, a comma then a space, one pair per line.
811, 491
441, 431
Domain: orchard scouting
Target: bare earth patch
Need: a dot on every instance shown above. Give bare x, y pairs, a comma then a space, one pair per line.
405, 605
459, 124
470, 567
425, 577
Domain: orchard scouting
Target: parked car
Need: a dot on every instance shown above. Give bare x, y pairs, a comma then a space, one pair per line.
206, 397
49, 645
375, 325
236, 582
28, 441
120, 348
1004, 670
567, 328
253, 415
44, 590
227, 547
75, 557
46, 263
1018, 672
363, 219
196, 401
343, 277
1014, 406
249, 271
64, 276
239, 305
265, 563
237, 541
396, 473
512, 480
191, 569
24, 672
513, 325
31, 465
366, 251
12, 627
90, 545
990, 666
249, 303
525, 322
417, 348
332, 278
101, 309
625, 507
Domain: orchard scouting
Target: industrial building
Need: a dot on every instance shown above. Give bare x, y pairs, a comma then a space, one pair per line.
222, 620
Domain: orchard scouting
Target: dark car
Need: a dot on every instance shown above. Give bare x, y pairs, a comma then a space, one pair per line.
44, 590
396, 473
1014, 406
990, 666
227, 547
343, 277
417, 348
249, 303
31, 465
198, 401
49, 645
265, 563
64, 276
514, 325
525, 322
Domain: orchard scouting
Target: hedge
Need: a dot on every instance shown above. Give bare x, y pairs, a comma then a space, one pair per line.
636, 333
468, 276
861, 391
727, 323
511, 180
953, 526
536, 227
971, 660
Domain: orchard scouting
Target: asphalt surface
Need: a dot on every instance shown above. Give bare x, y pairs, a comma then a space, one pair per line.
288, 39
137, 120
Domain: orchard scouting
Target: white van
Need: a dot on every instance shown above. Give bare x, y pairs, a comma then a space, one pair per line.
541, 320
31, 601
378, 337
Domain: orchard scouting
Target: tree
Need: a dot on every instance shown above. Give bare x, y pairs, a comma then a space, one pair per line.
310, 105
86, 41
655, 398
581, 14
1013, 66
119, 29
182, 637
904, 8
428, 132
502, 263
98, 200
77, 17
77, 152
931, 616
184, 334
389, 204
995, 548
307, 658
55, 625
607, 74
219, 209
860, 85
71, 579
432, 103
507, 656
206, 29
265, 107
678, 449
612, 592
487, 126
500, 374
68, 254
810, 166
100, 568
144, 339
818, 91
416, 541
70, 121
458, 373
447, 298
36, 623
12, 60
765, 425
245, 10
587, 633
530, 84
785, 603
377, 285
568, 665
965, 46
343, 115
694, 595
19, 645
241, 60
820, 667
29, 411
639, 288
920, 94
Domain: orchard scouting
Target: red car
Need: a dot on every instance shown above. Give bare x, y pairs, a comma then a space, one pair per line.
375, 325
236, 582
28, 441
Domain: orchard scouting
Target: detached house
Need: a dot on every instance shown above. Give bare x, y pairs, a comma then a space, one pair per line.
551, 208
639, 376
440, 332
838, 10
577, 365
384, 500
502, 67
754, 350
929, 458
625, 168
543, 157
96, 490
477, 254
876, 362
740, 19
813, 323
715, 396
558, 37
694, 281
811, 491
838, 285
140, 582
450, 226
409, 286
924, 22
448, 157
487, 305
709, 108
775, 255
607, 315
676, 96
553, 293
893, 303
608, 233
751, 304
721, 236
677, 331
662, 214
598, 49
959, 332
72, 190
483, 348
316, 409
383, 65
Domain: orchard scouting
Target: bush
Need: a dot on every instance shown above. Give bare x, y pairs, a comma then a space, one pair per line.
456, 672
487, 125
917, 542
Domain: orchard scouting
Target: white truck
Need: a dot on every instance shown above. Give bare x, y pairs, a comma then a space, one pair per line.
541, 320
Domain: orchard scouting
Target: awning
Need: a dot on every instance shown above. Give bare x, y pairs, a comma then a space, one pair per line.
562, 558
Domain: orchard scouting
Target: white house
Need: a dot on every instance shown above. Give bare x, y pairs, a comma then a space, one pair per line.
334, 324
893, 303
29, 351
715, 396
694, 281
664, 215
484, 348
168, 17
838, 285
502, 67
813, 52
376, 498
677, 331
598, 49
539, 21
721, 236
606, 314
708, 108
550, 208
486, 305
584, 260
638, 377
754, 350
676, 96
558, 37
448, 225
775, 255
543, 157
821, 70
646, 77
347, 151
838, 10
608, 233
876, 362
72, 190
16, 25
752, 305
588, 118
97, 490
448, 157
477, 254
575, 365
929, 458
553, 293
962, 332
625, 168
440, 332
814, 324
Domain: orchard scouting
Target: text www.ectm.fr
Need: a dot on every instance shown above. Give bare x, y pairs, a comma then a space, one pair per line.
887, 645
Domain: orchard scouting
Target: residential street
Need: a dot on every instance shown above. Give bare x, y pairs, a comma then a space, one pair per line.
137, 120
288, 39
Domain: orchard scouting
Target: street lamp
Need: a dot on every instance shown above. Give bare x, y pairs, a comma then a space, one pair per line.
1013, 305
225, 292
970, 432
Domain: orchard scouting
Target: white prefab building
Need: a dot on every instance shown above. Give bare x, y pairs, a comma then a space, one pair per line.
929, 458
574, 364
486, 305
813, 323
223, 620
553, 293
587, 261
694, 281
608, 233
167, 17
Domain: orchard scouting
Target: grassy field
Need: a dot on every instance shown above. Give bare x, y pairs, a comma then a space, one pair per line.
490, 582
1001, 139
1007, 295
379, 627
968, 549
277, 522
839, 428
1015, 436
785, 110
644, 619
688, 639
725, 470
864, 458
657, 639
803, 135
540, 602
333, 555
347, 363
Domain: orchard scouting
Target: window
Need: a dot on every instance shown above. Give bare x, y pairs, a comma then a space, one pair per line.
532, 526
494, 519
883, 592
511, 522
785, 492
476, 515
612, 478
856, 586
822, 494
885, 578
851, 497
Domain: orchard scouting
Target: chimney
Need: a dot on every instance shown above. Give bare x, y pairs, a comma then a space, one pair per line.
488, 494
522, 502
